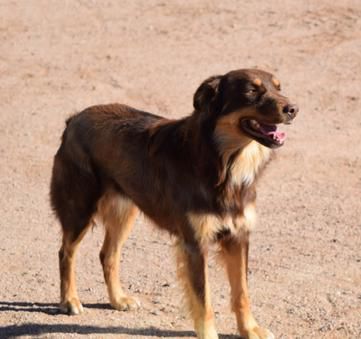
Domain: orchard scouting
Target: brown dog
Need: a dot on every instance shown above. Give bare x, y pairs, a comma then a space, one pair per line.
194, 177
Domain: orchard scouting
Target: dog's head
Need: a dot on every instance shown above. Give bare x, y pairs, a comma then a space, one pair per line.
245, 104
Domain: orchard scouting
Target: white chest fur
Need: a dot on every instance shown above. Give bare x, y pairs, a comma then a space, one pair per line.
248, 163
243, 171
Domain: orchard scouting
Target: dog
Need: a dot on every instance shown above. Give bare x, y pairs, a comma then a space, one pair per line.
194, 177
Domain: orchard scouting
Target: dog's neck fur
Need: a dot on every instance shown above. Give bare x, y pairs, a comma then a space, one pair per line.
240, 158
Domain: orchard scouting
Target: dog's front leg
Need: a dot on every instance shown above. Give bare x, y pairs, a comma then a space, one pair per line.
192, 270
235, 255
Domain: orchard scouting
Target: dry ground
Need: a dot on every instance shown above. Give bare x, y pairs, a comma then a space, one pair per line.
57, 57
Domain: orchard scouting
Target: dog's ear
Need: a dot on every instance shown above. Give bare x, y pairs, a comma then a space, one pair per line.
206, 92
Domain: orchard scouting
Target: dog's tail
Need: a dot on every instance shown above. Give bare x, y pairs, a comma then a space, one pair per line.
75, 187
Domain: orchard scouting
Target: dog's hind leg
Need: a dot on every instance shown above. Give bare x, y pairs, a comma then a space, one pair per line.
117, 213
192, 270
235, 256
74, 193
70, 302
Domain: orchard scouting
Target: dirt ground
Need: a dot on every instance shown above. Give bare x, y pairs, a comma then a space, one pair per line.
58, 57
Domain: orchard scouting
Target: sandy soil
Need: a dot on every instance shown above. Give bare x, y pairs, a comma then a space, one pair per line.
57, 57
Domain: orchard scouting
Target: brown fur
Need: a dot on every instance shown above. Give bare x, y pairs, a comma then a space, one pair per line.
194, 177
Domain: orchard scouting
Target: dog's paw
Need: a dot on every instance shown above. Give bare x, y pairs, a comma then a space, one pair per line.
208, 332
257, 333
126, 303
72, 306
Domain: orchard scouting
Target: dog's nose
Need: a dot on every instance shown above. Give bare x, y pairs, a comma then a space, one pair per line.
290, 110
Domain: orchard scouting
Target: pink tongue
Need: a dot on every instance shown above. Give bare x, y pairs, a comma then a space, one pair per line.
271, 130
279, 136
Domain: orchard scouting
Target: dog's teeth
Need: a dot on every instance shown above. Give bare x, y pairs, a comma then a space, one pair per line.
255, 124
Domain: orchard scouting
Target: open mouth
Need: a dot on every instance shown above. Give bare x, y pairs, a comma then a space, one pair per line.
266, 134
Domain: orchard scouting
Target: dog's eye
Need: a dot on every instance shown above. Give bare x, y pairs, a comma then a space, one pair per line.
251, 91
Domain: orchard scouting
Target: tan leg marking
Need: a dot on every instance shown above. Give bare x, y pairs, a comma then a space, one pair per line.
235, 255
192, 271
206, 226
69, 300
118, 215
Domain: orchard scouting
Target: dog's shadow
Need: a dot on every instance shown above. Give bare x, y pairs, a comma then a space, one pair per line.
18, 306
36, 329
